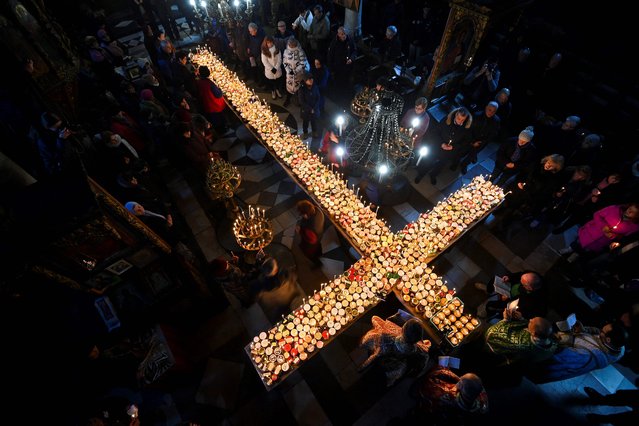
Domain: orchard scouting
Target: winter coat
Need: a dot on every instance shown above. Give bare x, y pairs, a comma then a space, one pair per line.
272, 62
309, 101
210, 95
295, 65
592, 237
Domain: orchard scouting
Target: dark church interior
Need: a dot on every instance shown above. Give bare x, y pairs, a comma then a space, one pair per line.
206, 206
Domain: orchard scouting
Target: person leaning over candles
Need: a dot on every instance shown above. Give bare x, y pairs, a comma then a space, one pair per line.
606, 228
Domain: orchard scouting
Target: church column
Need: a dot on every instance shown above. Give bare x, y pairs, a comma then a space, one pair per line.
353, 20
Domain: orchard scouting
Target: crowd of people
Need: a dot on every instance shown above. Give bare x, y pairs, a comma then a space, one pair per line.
558, 174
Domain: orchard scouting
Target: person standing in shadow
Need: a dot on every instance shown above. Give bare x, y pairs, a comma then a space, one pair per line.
310, 229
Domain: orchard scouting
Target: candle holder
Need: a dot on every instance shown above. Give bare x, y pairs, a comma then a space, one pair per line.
252, 230
380, 141
222, 179
222, 12
361, 103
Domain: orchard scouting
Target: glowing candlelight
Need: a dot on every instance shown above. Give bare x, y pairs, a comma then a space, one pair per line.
383, 169
340, 153
340, 122
423, 151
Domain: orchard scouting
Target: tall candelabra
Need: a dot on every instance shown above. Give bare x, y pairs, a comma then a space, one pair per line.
380, 144
222, 179
252, 230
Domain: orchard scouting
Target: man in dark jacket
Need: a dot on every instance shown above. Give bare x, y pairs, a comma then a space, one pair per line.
309, 97
254, 50
484, 130
340, 58
527, 286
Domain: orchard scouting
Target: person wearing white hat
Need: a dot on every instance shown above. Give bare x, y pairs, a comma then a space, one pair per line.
514, 157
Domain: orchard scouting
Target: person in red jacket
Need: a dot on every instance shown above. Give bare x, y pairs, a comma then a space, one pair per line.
212, 99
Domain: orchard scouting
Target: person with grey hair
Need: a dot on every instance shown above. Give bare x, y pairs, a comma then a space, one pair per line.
447, 398
391, 46
485, 128
281, 36
254, 50
514, 157
451, 141
319, 32
526, 286
417, 121
296, 66
341, 54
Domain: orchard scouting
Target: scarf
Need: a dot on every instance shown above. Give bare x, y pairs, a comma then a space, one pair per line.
516, 155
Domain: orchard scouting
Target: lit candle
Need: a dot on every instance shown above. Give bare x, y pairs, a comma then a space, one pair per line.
422, 152
340, 123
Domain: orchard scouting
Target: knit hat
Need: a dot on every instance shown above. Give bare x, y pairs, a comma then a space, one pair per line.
130, 206
527, 134
146, 94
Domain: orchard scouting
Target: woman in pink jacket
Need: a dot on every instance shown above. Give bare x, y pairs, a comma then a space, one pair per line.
607, 226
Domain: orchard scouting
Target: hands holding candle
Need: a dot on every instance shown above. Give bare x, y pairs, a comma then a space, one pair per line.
414, 123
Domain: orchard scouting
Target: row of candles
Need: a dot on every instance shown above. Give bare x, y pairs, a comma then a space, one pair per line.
318, 178
383, 254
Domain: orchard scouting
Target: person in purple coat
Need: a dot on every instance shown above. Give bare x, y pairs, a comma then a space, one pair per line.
606, 228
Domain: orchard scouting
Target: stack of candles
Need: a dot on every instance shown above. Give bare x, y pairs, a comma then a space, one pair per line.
433, 231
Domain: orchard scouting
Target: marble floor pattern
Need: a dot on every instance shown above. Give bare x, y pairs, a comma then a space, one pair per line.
328, 390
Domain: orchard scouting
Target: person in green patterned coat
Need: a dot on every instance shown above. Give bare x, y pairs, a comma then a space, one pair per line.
520, 341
